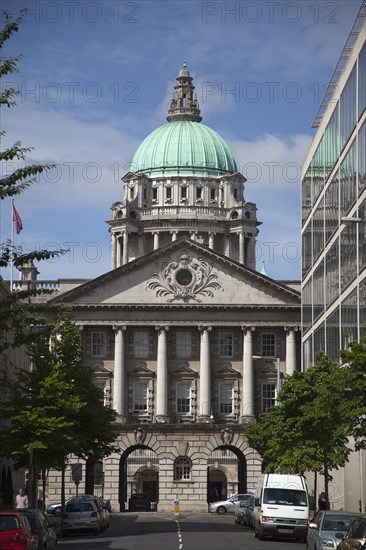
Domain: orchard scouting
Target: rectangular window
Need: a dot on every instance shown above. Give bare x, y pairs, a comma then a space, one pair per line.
268, 396
226, 398
141, 345
183, 398
236, 193
226, 344
168, 193
155, 194
183, 344
213, 194
140, 397
98, 344
268, 345
183, 192
198, 192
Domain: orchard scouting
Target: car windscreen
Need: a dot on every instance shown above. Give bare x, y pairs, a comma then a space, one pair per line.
285, 497
80, 507
337, 523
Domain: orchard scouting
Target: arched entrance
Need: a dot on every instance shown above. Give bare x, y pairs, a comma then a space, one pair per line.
138, 473
226, 473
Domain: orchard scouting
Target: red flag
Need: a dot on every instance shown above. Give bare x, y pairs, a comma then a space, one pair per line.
17, 220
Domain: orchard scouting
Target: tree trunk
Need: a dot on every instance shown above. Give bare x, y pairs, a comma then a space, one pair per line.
63, 489
326, 480
44, 479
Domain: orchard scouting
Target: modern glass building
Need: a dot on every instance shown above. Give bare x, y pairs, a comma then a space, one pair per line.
334, 208
334, 233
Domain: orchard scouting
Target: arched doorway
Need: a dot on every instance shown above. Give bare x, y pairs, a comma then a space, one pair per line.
138, 473
226, 473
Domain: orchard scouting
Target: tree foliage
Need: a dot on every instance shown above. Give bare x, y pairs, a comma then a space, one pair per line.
308, 429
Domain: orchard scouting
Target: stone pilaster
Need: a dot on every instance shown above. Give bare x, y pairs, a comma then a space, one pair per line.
125, 248
290, 350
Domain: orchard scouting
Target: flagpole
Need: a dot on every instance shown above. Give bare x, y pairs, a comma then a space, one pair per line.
11, 245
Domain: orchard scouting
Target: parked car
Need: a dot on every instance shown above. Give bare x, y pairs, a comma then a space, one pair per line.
102, 509
81, 515
227, 506
328, 527
54, 509
355, 538
139, 502
239, 511
43, 536
15, 532
248, 512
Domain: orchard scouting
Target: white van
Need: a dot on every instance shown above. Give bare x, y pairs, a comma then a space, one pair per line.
281, 507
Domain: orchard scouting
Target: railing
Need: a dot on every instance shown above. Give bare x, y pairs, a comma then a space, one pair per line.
46, 285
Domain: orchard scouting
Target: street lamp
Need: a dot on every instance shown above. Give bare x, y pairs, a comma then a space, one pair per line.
278, 370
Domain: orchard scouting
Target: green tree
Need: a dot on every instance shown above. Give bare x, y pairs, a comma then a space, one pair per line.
16, 313
353, 375
307, 430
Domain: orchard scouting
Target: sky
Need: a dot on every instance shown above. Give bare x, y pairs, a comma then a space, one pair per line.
96, 77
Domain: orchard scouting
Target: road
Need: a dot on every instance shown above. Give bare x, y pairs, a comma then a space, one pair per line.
158, 531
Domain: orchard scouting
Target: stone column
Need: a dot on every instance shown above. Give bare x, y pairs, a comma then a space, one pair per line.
156, 240
241, 247
227, 246
119, 372
211, 240
205, 375
161, 411
174, 235
125, 248
118, 251
113, 250
251, 253
290, 350
248, 374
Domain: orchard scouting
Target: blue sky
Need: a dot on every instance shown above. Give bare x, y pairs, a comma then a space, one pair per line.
96, 78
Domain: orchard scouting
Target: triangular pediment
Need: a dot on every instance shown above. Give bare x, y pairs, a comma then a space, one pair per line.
228, 370
179, 274
142, 369
98, 368
183, 370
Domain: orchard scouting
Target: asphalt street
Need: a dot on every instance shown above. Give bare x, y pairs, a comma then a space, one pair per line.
159, 531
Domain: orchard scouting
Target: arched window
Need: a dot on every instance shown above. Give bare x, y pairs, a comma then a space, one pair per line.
182, 469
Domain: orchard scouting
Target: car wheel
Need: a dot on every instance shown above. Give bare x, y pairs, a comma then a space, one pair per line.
221, 510
57, 512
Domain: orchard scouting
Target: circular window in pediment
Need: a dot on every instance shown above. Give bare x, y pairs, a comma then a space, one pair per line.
183, 277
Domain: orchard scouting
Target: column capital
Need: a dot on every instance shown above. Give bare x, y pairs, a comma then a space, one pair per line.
119, 327
289, 328
202, 328
159, 328
247, 328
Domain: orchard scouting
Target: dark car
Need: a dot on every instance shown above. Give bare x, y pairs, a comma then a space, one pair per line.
43, 536
139, 501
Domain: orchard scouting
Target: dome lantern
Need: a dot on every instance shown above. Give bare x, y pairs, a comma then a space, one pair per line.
184, 105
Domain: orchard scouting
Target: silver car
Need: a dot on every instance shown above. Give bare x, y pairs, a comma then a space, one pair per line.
327, 529
227, 506
81, 515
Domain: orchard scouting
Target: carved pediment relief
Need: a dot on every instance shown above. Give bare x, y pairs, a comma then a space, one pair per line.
185, 279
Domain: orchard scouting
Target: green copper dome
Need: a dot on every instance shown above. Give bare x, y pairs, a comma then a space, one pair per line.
184, 148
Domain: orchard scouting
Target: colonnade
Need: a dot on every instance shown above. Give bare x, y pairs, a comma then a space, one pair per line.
162, 390
246, 246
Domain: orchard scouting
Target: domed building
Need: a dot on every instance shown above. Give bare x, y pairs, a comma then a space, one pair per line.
188, 340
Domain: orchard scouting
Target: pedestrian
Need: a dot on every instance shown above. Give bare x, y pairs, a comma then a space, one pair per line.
322, 502
21, 500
